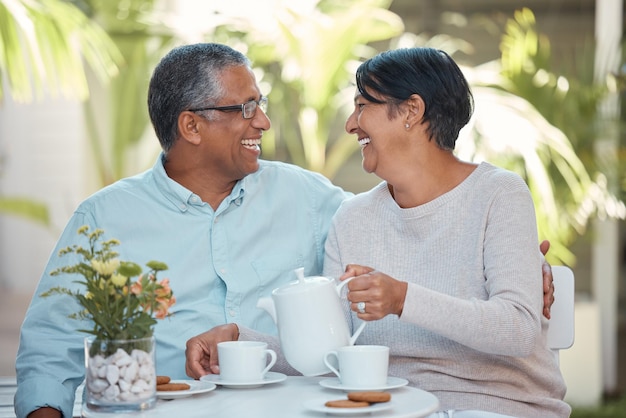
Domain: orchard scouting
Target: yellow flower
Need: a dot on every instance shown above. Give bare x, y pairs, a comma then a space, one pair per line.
105, 268
128, 309
118, 280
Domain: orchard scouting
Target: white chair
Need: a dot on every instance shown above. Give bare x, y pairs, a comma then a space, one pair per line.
561, 330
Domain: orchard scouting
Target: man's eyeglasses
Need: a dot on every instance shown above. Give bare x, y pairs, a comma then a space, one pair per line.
248, 110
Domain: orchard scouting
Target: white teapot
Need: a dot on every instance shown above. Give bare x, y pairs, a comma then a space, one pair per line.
310, 321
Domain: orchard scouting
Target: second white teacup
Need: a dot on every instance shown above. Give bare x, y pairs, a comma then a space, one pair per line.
244, 361
360, 366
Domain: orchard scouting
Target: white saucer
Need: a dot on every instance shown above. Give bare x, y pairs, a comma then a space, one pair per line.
335, 383
270, 377
195, 387
317, 405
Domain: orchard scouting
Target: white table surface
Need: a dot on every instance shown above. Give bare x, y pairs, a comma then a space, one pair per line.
279, 400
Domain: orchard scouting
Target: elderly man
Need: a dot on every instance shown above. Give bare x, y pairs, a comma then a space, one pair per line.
229, 226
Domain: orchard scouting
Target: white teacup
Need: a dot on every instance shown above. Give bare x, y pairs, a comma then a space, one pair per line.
360, 366
244, 361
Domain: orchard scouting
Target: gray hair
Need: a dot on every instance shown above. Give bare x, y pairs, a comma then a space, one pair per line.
187, 77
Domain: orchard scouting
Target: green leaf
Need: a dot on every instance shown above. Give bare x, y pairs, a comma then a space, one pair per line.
26, 208
44, 43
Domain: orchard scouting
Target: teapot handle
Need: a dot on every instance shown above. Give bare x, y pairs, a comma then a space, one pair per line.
342, 284
360, 328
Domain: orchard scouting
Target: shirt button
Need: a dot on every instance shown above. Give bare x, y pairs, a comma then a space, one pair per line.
222, 271
232, 312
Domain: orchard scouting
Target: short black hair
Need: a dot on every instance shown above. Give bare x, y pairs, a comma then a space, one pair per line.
430, 73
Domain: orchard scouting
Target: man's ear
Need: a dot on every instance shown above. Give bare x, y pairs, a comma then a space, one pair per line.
416, 108
188, 127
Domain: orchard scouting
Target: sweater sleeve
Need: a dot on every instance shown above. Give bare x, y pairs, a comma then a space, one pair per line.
508, 320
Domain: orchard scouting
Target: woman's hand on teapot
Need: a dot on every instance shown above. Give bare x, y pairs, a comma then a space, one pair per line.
201, 352
372, 294
353, 270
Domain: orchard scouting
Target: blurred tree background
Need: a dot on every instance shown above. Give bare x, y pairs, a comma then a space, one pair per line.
305, 54
45, 46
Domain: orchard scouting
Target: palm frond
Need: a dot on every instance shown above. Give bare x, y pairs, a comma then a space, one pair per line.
43, 47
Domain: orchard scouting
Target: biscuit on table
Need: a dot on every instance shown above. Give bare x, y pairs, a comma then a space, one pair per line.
371, 397
169, 387
161, 380
346, 403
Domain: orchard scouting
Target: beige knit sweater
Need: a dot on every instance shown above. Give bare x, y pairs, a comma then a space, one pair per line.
471, 331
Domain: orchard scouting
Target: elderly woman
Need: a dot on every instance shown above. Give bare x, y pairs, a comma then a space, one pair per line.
445, 250
461, 299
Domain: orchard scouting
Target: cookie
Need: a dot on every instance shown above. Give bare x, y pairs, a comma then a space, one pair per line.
346, 403
371, 397
169, 387
161, 380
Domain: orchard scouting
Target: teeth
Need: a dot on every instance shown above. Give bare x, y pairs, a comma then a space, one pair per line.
251, 143
364, 141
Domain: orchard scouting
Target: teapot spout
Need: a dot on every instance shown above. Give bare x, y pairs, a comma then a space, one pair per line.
357, 333
267, 304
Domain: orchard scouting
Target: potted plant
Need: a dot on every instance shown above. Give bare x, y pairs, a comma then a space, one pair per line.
120, 353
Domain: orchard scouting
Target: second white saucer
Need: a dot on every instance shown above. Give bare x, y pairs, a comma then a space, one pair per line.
335, 383
195, 388
270, 377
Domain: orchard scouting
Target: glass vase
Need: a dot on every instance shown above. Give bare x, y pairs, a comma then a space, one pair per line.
120, 375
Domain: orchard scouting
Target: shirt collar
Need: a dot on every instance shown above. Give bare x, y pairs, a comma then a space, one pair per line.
180, 196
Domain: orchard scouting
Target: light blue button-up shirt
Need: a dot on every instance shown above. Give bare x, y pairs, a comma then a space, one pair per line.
220, 263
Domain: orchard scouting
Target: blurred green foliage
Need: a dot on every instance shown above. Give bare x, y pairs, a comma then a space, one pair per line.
305, 55
614, 408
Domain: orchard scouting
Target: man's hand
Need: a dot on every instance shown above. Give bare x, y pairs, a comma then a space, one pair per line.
548, 285
201, 352
45, 412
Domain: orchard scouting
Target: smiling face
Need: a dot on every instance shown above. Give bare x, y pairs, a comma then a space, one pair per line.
379, 134
229, 144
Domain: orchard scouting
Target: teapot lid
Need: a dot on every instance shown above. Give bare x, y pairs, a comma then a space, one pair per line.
303, 284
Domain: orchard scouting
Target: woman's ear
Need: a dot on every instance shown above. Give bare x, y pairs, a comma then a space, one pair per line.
415, 110
189, 128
